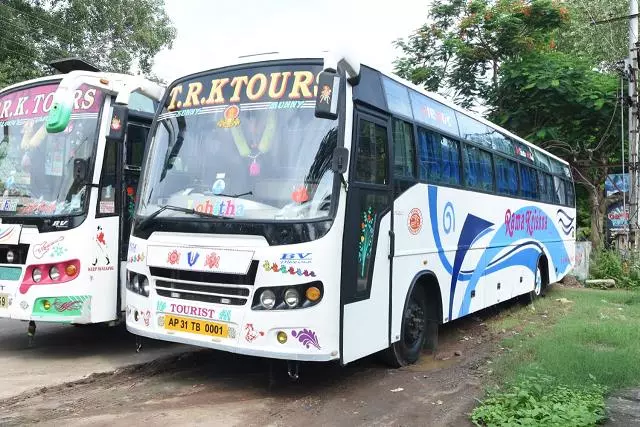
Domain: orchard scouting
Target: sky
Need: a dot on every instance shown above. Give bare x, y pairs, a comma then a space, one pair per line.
213, 31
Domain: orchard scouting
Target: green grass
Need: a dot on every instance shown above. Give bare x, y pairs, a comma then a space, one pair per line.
593, 338
561, 355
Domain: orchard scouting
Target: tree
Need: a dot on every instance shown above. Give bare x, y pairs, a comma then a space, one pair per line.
115, 35
603, 44
460, 51
560, 103
528, 62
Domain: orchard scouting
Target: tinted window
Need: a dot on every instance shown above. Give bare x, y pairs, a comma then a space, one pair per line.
397, 97
529, 182
136, 139
571, 197
478, 168
371, 163
506, 176
473, 130
403, 149
545, 184
107, 193
439, 158
432, 113
560, 195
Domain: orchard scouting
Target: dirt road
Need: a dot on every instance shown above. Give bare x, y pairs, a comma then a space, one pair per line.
214, 388
62, 353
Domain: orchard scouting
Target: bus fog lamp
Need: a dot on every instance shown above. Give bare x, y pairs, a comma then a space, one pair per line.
312, 294
46, 304
54, 273
282, 337
11, 256
291, 297
36, 275
268, 299
71, 270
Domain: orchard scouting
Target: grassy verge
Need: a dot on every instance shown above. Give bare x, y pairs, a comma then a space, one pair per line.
566, 351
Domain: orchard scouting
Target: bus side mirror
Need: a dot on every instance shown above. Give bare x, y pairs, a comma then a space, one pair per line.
340, 160
80, 170
60, 113
327, 96
118, 125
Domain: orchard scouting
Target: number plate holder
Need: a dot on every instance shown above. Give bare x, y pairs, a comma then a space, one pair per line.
196, 326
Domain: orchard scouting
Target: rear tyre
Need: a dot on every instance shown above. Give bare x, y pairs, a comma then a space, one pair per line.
416, 329
540, 286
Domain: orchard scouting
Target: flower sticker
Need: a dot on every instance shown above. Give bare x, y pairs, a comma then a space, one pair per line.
174, 257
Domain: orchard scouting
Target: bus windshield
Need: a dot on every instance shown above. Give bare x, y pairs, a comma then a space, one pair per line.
36, 168
242, 144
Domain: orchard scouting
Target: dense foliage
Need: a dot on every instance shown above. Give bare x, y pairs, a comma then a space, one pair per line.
115, 35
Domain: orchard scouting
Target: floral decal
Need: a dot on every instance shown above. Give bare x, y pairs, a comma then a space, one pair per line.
307, 337
366, 238
213, 260
174, 257
275, 268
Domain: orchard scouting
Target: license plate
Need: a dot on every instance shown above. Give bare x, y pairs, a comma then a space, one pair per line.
4, 300
195, 326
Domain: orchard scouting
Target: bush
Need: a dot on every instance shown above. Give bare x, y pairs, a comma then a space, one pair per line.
609, 264
539, 401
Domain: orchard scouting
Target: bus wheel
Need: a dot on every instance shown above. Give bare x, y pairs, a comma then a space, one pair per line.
413, 333
539, 288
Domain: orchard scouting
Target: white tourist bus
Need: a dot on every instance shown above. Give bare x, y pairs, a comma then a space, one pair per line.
67, 193
312, 210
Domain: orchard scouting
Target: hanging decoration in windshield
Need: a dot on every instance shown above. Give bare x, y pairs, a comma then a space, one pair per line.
243, 144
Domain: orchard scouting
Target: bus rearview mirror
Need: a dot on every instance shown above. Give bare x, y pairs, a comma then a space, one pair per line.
327, 96
340, 160
118, 124
60, 113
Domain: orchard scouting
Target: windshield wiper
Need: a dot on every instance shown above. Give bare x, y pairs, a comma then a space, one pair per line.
235, 196
178, 209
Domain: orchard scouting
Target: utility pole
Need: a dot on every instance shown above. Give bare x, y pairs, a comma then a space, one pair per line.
632, 67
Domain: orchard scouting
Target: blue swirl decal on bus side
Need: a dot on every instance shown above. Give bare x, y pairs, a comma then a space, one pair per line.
448, 218
472, 228
565, 221
521, 224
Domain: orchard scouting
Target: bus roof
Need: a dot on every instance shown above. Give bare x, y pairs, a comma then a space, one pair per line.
274, 56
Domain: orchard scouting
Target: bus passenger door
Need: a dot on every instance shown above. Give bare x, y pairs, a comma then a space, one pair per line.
366, 241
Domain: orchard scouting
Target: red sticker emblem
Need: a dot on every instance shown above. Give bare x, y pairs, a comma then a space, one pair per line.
414, 221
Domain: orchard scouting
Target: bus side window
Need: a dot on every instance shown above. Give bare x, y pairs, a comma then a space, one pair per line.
560, 195
478, 168
403, 150
506, 176
571, 197
371, 163
439, 158
107, 188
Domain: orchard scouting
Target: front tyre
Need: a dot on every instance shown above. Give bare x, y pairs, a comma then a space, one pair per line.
413, 332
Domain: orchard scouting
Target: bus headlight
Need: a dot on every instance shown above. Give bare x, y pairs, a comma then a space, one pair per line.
268, 299
11, 256
36, 275
291, 297
54, 273
138, 283
144, 287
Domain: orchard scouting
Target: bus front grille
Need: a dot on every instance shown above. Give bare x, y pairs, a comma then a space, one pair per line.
219, 288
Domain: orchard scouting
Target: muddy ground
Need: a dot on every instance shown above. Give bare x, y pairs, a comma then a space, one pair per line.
204, 387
